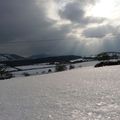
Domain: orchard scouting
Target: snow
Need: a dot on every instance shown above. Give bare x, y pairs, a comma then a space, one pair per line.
33, 72
36, 69
39, 69
86, 64
36, 66
81, 94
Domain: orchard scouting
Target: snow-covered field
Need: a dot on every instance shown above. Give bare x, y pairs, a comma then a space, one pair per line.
39, 69
81, 94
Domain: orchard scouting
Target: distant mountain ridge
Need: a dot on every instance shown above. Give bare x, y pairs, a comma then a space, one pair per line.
39, 56
16, 60
10, 57
30, 61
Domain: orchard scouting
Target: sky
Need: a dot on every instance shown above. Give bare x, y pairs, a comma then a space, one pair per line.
59, 27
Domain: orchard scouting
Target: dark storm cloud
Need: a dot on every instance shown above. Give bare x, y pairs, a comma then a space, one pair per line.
25, 24
75, 12
99, 31
20, 19
26, 28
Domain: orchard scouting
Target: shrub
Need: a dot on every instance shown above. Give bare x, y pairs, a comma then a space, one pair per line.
60, 67
43, 72
103, 56
71, 67
49, 71
107, 63
26, 74
4, 74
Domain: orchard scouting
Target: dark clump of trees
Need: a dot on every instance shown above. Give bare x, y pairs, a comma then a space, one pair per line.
26, 74
71, 67
108, 55
60, 67
49, 71
107, 63
103, 56
4, 74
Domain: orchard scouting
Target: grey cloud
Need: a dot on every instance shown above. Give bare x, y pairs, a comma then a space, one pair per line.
19, 19
112, 43
107, 39
99, 31
74, 11
25, 24
26, 29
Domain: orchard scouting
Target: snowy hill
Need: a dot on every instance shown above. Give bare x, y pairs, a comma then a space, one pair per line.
9, 57
82, 94
113, 53
108, 55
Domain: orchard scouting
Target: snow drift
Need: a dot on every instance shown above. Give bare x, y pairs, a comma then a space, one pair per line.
82, 94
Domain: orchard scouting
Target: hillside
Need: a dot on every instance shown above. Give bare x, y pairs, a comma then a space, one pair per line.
39, 56
108, 55
9, 57
36, 60
82, 94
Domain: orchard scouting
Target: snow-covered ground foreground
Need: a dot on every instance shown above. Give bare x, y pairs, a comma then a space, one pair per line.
81, 94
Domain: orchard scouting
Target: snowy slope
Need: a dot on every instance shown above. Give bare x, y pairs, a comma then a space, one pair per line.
82, 94
39, 69
9, 57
